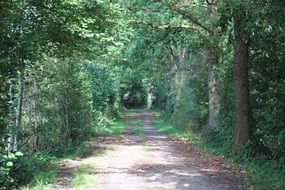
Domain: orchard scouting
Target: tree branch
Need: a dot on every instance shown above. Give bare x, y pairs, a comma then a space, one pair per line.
165, 26
164, 36
213, 2
191, 17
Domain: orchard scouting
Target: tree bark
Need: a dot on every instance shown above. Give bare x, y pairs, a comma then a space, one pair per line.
213, 91
68, 139
178, 56
213, 79
242, 101
10, 127
12, 140
19, 107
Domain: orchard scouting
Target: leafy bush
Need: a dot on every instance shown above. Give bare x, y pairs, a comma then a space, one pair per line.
8, 163
17, 169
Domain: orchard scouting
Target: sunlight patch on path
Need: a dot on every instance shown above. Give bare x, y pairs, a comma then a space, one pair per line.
149, 162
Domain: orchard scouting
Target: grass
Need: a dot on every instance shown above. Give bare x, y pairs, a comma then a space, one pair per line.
130, 112
77, 152
48, 175
116, 128
265, 177
44, 178
84, 176
263, 174
163, 127
138, 130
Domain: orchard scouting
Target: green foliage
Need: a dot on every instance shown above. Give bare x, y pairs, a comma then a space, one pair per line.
266, 176
115, 128
166, 128
131, 83
8, 163
267, 87
29, 166
62, 113
44, 177
18, 169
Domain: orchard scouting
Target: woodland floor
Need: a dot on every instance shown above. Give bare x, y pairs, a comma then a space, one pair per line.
150, 161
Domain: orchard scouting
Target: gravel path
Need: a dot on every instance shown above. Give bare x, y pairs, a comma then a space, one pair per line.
149, 162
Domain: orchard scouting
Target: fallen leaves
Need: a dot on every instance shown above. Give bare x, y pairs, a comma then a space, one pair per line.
216, 167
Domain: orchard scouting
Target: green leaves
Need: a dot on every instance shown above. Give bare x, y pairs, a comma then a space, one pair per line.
9, 164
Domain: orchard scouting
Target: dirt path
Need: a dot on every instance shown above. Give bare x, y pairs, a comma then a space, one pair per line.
147, 162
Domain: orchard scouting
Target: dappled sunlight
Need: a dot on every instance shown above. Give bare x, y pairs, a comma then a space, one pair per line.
148, 162
172, 176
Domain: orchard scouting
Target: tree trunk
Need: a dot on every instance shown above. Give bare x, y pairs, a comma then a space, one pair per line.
242, 101
178, 54
12, 140
213, 79
213, 91
10, 127
68, 139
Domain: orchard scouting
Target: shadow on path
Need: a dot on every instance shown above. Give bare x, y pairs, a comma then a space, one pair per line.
149, 162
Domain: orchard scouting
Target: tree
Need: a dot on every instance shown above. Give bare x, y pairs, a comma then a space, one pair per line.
243, 126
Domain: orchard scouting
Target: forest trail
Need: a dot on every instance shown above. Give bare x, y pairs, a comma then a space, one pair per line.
144, 162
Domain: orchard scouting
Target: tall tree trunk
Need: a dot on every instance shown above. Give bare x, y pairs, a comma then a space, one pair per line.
213, 79
12, 140
213, 90
242, 101
10, 134
178, 54
67, 121
19, 106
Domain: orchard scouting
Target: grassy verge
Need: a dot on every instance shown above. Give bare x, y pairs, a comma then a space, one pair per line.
170, 130
130, 112
116, 128
84, 176
138, 130
47, 175
264, 175
44, 178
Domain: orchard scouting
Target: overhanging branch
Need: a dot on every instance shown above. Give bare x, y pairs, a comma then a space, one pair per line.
165, 26
191, 17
